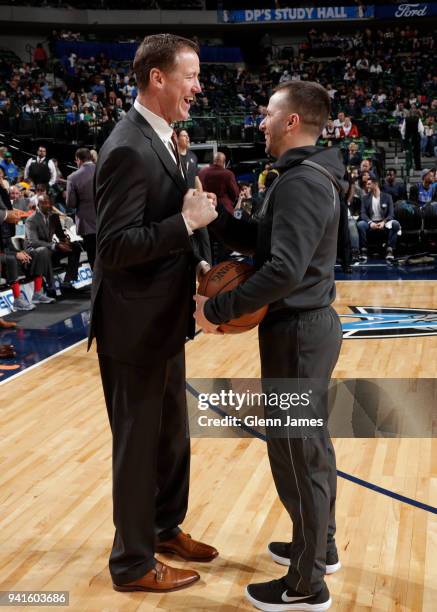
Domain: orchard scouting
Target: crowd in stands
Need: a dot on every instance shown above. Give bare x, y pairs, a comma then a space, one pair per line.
376, 77
36, 236
382, 77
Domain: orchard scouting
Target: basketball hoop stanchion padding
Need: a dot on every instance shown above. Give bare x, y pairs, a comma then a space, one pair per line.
223, 277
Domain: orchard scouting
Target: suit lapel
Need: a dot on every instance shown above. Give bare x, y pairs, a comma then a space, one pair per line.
159, 148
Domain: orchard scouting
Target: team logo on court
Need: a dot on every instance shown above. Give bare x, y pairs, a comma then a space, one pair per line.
379, 322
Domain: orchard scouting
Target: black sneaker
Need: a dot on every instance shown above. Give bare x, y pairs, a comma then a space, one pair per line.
363, 255
389, 256
276, 596
280, 553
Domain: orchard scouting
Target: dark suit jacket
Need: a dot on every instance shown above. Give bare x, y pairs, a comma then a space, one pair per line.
220, 181
39, 233
144, 275
80, 197
386, 207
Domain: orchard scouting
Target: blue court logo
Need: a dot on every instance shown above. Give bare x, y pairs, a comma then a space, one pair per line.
380, 322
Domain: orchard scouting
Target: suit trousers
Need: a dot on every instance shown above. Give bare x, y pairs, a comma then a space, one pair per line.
89, 242
147, 413
301, 346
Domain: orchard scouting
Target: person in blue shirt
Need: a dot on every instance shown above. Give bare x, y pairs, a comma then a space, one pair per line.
10, 169
424, 192
368, 109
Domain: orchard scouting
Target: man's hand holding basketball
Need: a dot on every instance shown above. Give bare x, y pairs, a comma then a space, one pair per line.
202, 268
206, 326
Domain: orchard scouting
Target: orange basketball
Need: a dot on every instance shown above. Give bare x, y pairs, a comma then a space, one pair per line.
224, 277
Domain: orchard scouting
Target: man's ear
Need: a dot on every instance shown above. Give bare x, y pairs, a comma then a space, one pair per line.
155, 78
293, 120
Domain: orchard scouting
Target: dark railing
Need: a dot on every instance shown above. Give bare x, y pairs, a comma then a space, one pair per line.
220, 128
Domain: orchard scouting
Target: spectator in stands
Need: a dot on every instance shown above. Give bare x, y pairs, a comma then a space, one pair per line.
10, 169
368, 108
19, 198
41, 189
351, 109
188, 160
352, 217
80, 199
330, 132
395, 188
366, 165
428, 140
377, 215
339, 122
262, 177
348, 129
243, 207
352, 155
40, 169
44, 229
217, 179
412, 131
14, 263
400, 112
190, 167
40, 56
423, 193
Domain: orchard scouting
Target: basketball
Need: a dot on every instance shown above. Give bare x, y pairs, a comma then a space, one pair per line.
225, 276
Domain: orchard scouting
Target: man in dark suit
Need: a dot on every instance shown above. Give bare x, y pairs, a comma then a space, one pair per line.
43, 229
80, 198
144, 277
377, 215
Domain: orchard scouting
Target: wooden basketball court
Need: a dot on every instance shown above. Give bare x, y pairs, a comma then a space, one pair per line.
55, 483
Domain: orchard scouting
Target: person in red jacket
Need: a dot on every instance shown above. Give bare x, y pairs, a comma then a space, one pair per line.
217, 179
349, 130
40, 56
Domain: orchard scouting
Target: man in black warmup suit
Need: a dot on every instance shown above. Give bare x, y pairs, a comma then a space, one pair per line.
294, 244
143, 281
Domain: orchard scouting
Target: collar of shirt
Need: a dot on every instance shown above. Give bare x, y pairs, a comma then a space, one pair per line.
158, 124
163, 130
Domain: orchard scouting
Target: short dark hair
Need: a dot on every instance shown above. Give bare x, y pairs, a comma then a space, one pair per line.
83, 154
310, 101
392, 170
158, 51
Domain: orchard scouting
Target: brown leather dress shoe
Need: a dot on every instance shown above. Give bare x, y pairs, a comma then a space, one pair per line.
7, 351
187, 548
161, 579
7, 324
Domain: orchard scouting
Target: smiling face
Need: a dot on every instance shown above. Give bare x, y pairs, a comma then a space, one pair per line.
177, 88
274, 125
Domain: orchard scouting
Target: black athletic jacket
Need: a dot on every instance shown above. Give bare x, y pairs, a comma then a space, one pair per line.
294, 242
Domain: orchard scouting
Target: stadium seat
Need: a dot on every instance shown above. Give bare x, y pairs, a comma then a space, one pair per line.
429, 214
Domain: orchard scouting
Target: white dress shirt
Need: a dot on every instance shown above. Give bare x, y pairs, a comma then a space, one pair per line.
158, 125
